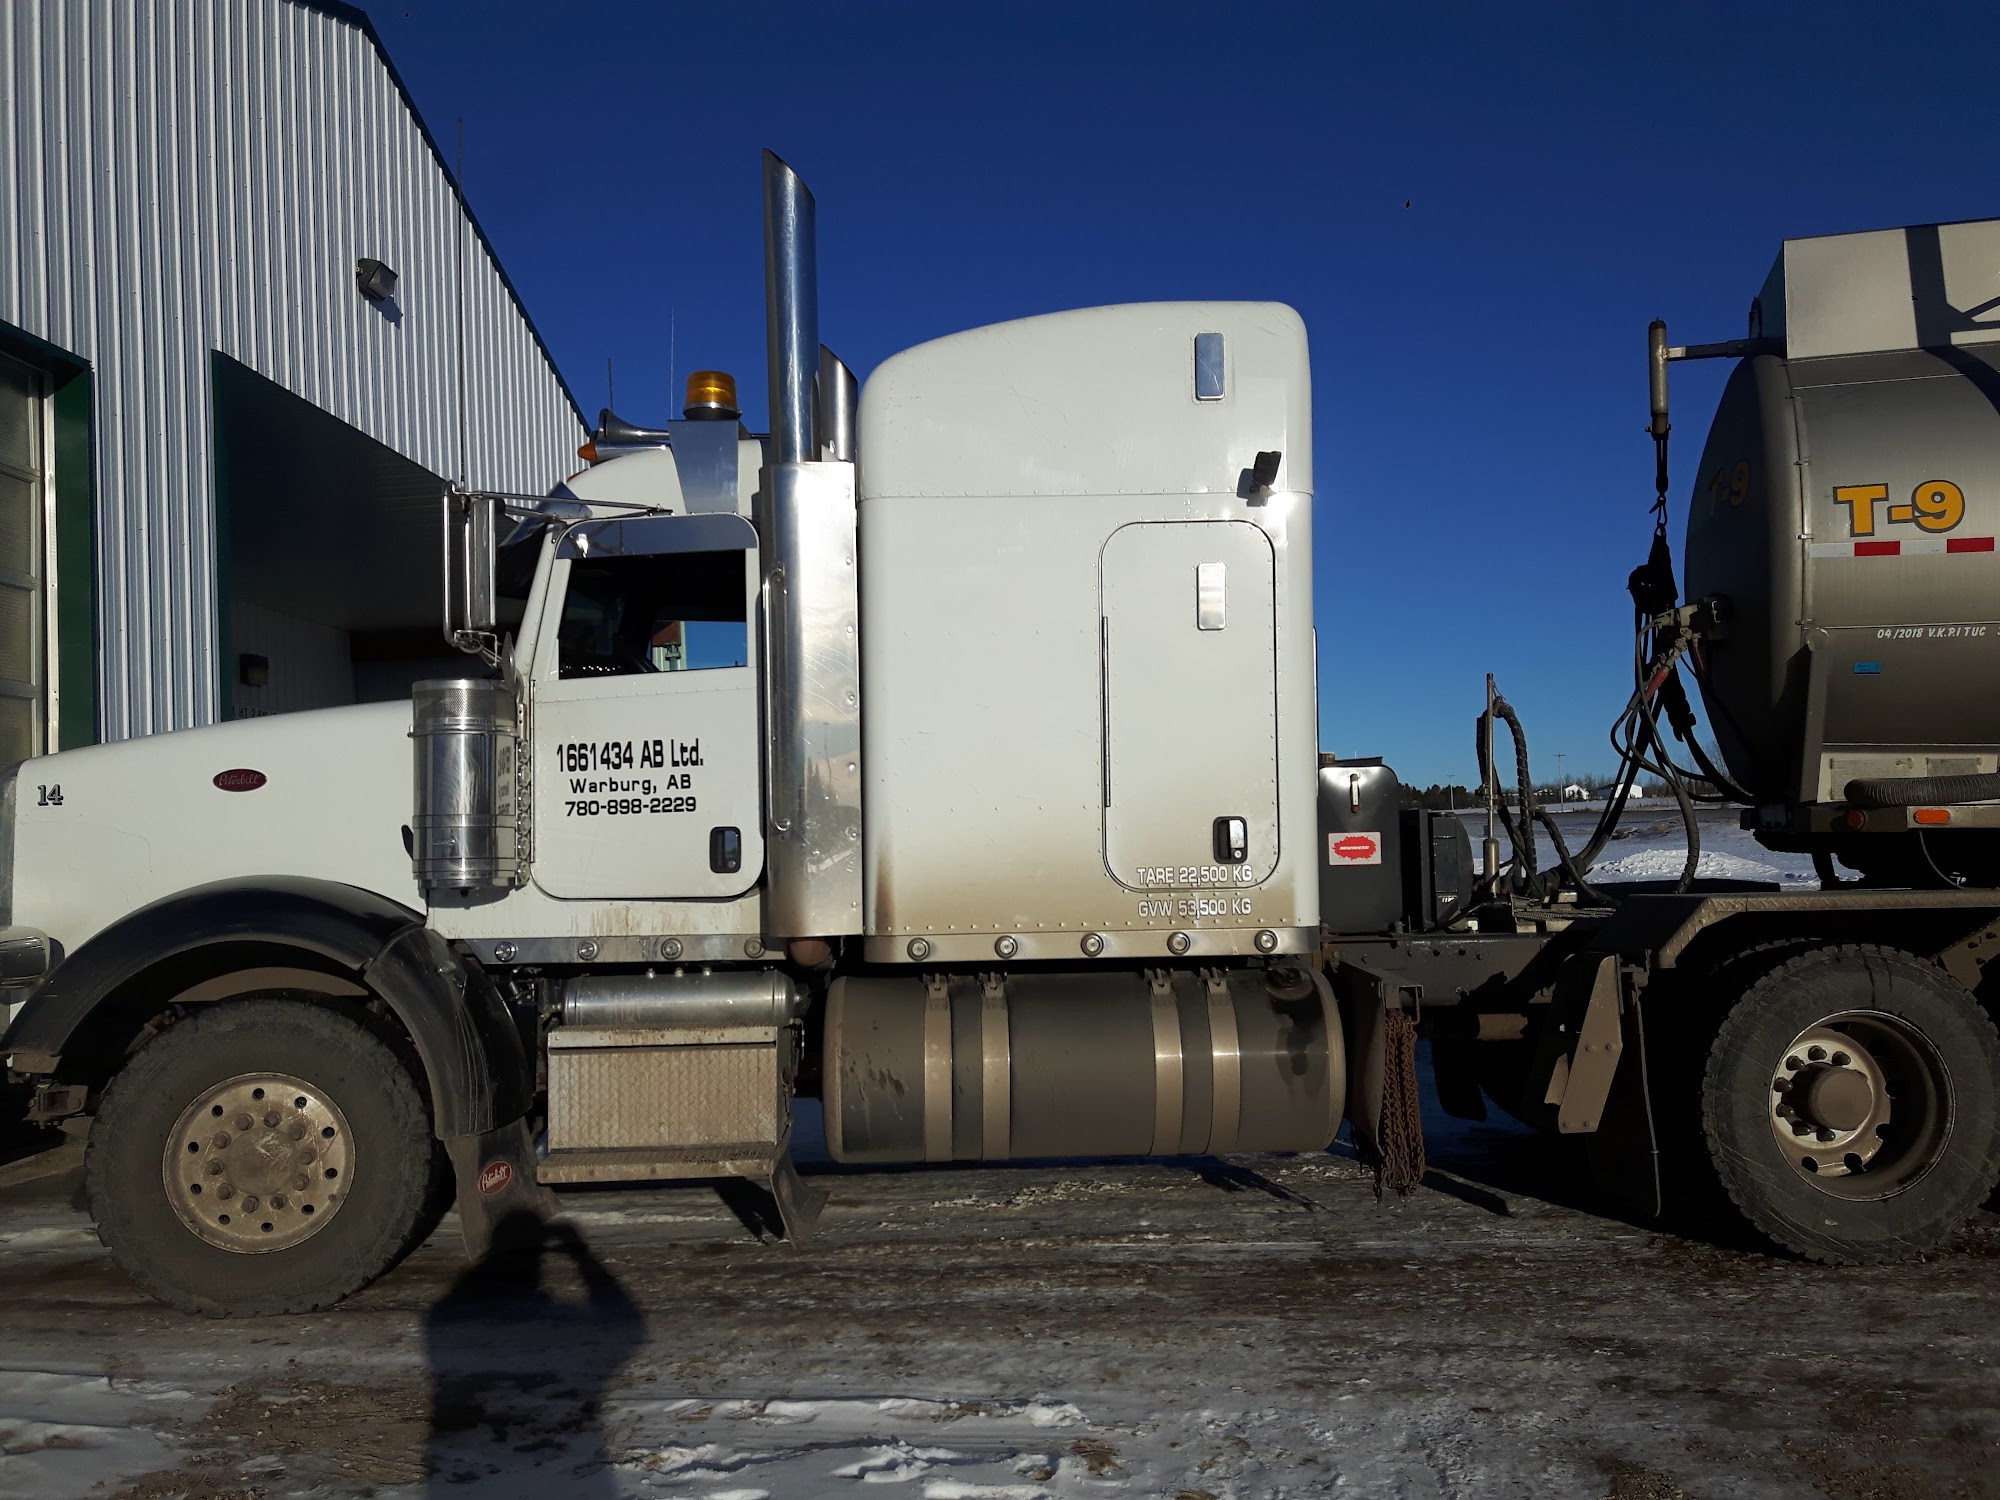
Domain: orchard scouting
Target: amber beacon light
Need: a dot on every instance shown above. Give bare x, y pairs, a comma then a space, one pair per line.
711, 393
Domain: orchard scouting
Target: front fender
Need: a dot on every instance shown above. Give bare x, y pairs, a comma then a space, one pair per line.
100, 995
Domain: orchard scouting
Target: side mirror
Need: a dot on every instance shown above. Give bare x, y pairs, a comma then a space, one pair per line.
470, 607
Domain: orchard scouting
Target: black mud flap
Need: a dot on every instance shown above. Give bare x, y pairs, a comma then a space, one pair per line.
1361, 1017
1624, 1150
799, 1205
496, 1183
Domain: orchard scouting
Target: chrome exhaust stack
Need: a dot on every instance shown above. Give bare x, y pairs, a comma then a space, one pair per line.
834, 410
791, 311
806, 520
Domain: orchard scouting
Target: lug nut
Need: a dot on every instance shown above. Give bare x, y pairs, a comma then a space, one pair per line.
301, 1182
214, 1168
250, 1203
243, 1122
271, 1119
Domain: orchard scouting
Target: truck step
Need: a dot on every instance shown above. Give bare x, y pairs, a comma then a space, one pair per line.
756, 1160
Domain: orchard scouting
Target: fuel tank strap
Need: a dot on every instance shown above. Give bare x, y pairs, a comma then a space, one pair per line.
1226, 1051
937, 1070
996, 1066
1169, 1068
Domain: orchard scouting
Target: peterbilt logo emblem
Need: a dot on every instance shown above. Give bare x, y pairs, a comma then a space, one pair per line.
494, 1177
241, 779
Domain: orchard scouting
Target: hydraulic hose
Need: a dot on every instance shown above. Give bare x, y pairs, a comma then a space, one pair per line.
1523, 874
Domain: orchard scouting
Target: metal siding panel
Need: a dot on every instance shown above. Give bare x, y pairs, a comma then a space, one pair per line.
13, 60
198, 176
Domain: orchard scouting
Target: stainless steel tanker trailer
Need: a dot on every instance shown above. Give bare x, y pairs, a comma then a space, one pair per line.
949, 753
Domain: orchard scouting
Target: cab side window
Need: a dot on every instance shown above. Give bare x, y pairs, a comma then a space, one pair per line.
668, 612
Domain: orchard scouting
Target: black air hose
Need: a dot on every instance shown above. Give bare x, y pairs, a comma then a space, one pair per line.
1910, 791
1522, 836
1680, 715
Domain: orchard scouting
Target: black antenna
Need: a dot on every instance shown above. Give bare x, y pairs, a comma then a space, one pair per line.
463, 210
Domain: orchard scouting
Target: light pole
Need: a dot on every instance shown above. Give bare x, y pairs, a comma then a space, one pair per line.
1562, 787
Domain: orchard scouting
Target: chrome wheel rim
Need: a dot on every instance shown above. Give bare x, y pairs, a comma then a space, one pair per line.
1860, 1105
259, 1162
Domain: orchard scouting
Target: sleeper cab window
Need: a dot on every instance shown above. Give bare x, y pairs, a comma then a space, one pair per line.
665, 612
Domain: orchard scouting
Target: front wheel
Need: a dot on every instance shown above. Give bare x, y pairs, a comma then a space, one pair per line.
262, 1156
1849, 1104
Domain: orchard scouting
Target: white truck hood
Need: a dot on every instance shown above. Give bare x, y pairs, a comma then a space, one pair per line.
102, 831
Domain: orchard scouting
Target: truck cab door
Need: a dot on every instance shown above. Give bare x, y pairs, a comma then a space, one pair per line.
644, 712
1190, 708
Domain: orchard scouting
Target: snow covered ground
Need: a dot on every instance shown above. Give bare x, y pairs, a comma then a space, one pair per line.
1651, 844
1198, 1329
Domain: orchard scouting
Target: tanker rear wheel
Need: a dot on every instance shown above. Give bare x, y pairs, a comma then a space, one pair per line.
263, 1156
1851, 1104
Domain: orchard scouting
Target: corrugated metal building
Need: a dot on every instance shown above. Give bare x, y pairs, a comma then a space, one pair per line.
220, 451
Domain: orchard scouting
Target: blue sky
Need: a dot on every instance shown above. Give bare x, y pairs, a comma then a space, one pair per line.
1477, 209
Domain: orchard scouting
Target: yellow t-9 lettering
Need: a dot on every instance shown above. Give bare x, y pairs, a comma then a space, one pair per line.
1939, 503
1861, 500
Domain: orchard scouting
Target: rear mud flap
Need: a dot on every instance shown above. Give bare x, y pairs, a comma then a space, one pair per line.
1382, 1095
1362, 1019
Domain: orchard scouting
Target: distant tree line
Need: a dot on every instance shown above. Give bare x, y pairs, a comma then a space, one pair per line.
1437, 796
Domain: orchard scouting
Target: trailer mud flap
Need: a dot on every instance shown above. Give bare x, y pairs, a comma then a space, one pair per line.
1624, 1151
1593, 1056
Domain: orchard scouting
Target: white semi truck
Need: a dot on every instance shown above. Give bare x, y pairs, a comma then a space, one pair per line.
949, 753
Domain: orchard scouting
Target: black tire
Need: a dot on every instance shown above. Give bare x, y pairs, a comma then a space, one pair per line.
391, 1201
1939, 1154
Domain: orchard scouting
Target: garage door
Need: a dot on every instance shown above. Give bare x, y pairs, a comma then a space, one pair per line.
23, 563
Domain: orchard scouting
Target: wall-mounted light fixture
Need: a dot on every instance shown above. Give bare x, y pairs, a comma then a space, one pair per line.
374, 280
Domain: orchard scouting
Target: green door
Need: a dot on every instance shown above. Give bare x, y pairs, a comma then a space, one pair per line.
23, 563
